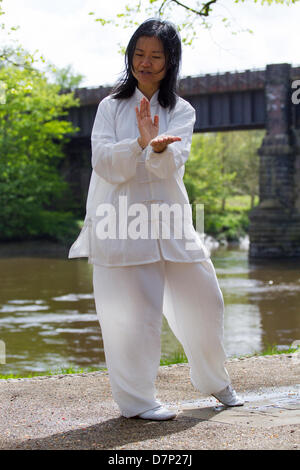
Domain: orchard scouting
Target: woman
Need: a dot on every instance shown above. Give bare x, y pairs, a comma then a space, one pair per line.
141, 140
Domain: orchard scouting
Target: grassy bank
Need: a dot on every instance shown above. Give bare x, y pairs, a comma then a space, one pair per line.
178, 358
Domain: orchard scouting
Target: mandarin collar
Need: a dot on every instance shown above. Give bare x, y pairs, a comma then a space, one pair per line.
139, 95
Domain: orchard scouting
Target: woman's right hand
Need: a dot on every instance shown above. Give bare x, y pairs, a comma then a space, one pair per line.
148, 129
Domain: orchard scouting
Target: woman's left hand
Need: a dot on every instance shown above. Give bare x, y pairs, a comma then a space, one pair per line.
159, 143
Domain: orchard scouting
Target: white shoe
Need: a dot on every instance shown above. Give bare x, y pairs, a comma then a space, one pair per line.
228, 397
159, 414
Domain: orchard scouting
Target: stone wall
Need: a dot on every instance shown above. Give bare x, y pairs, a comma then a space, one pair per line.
275, 223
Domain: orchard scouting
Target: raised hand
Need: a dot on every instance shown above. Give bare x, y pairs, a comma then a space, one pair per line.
160, 143
148, 129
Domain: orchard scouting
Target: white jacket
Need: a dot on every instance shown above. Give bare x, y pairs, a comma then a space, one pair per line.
123, 171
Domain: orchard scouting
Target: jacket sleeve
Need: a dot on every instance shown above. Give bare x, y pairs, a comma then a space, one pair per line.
113, 161
176, 154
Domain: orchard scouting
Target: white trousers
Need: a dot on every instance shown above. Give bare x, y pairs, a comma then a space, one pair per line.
130, 302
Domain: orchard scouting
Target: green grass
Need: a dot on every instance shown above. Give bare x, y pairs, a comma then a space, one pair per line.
58, 371
273, 349
240, 203
178, 358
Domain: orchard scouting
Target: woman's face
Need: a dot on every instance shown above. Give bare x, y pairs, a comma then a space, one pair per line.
149, 61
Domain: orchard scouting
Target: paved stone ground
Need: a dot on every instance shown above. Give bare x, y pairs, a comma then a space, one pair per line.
78, 412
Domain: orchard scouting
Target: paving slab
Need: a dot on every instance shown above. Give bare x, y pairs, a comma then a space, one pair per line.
268, 408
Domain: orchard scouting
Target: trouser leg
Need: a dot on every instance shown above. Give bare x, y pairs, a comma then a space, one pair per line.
129, 303
194, 308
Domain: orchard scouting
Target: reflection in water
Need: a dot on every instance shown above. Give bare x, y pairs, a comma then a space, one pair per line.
47, 315
48, 318
243, 324
262, 301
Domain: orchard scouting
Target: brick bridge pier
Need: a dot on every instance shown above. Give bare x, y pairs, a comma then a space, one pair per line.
275, 222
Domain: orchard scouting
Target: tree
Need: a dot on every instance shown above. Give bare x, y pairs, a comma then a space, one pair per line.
32, 134
206, 181
65, 77
13, 53
190, 15
243, 157
222, 165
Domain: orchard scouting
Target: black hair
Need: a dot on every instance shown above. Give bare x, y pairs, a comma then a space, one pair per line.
170, 38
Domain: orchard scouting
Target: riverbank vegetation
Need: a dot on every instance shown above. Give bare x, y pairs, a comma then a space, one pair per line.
222, 173
35, 98
33, 131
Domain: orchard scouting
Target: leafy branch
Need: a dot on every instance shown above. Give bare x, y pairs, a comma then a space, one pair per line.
187, 14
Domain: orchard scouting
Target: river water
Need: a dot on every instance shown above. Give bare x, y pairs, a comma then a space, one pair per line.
48, 319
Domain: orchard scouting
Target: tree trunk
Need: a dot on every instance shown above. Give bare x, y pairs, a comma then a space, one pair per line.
223, 203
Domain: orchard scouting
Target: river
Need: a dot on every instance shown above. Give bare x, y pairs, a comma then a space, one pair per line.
48, 319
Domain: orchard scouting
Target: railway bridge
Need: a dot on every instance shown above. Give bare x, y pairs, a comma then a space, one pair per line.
252, 99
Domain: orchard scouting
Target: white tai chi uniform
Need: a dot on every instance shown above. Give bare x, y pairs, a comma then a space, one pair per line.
138, 279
